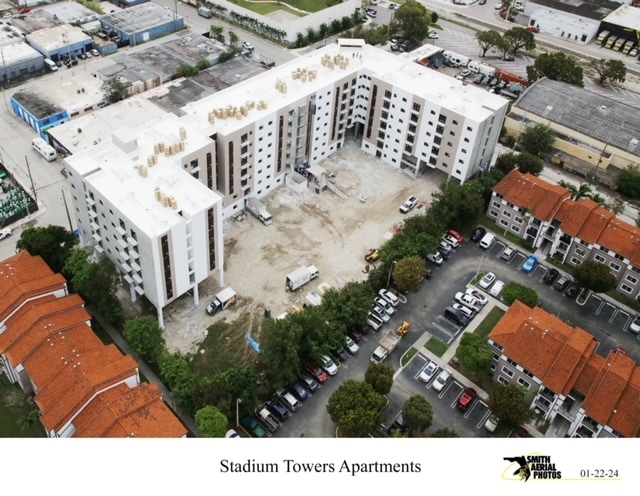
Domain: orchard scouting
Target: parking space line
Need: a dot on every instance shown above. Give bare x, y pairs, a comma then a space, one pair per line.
600, 308
613, 316
442, 329
426, 362
450, 385
484, 418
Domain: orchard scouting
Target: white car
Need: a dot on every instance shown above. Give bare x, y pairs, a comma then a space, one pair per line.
329, 367
498, 6
467, 300
433, 36
231, 433
491, 424
436, 258
5, 233
389, 296
635, 325
464, 310
487, 280
374, 321
248, 46
429, 372
482, 299
351, 346
442, 380
508, 253
385, 305
496, 289
94, 52
380, 313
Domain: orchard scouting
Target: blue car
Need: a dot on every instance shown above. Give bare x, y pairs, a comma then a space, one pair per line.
530, 264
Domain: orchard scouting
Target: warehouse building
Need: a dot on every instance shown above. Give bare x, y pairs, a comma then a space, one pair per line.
38, 110
19, 61
59, 42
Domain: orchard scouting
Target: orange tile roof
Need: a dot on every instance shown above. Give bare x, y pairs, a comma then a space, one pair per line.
33, 311
58, 351
543, 199
607, 389
625, 418
586, 378
573, 215
621, 237
37, 333
23, 277
594, 225
75, 386
137, 412
542, 344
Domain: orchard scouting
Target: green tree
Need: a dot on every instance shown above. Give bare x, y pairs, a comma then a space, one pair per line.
357, 408
508, 403
599, 199
414, 20
114, 90
557, 66
280, 345
174, 369
445, 432
594, 276
217, 32
609, 70
417, 413
523, 162
145, 336
349, 305
617, 206
487, 40
202, 65
211, 422
408, 274
301, 40
434, 17
474, 354
228, 386
578, 192
457, 206
233, 38
516, 291
629, 181
53, 243
537, 140
320, 335
380, 377
518, 38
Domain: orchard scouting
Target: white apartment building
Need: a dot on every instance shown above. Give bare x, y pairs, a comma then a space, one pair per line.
139, 202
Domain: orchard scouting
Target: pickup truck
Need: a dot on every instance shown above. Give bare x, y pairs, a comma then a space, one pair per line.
408, 205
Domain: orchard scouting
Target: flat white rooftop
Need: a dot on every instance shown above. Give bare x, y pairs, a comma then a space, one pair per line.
92, 128
70, 12
9, 35
57, 37
626, 16
402, 72
114, 172
73, 94
17, 52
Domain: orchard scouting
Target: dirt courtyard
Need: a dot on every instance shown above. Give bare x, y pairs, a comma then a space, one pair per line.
308, 229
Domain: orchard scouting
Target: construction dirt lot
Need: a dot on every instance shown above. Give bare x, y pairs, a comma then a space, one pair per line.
308, 229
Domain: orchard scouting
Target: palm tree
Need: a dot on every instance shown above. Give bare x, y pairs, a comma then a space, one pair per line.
216, 32
600, 200
580, 192
233, 38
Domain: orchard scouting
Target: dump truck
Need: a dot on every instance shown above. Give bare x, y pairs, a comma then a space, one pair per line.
301, 276
257, 208
386, 345
223, 299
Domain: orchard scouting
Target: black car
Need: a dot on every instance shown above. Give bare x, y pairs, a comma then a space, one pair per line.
277, 410
550, 277
508, 58
299, 392
573, 290
309, 383
478, 79
398, 425
478, 234
445, 254
342, 354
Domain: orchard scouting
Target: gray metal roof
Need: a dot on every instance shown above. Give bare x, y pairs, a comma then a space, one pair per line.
591, 9
588, 113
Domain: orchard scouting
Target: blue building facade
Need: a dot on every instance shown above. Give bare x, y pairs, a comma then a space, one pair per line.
38, 111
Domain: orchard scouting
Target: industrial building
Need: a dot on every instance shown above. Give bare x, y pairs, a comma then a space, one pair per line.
141, 23
38, 110
70, 12
139, 203
58, 43
623, 24
19, 61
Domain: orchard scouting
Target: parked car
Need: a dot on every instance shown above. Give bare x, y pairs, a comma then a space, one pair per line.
464, 73
355, 334
412, 201
508, 58
486, 241
456, 235
433, 36
448, 238
5, 233
441, 381
508, 253
573, 290
550, 276
309, 382
635, 325
530, 264
456, 316
372, 255
299, 391
277, 410
328, 366
385, 305
287, 400
389, 296
482, 299
436, 259
496, 289
393, 6
445, 247
562, 283
231, 433
467, 399
467, 300
380, 313
341, 354
487, 280
351, 346
254, 427
316, 372
478, 79
498, 6
374, 321
491, 424
464, 310
94, 52
247, 46
398, 425
429, 372
478, 234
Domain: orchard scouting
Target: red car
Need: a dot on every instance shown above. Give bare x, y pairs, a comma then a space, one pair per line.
319, 374
621, 350
456, 235
467, 399
24, 11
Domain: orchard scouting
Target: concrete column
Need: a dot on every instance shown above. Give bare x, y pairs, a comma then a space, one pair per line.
196, 295
160, 318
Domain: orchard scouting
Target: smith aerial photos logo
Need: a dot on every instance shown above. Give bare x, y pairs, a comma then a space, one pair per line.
531, 466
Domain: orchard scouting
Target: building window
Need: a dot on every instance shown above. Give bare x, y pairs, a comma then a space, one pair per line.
212, 239
493, 213
523, 383
518, 220
580, 252
515, 229
166, 262
496, 204
599, 258
505, 223
631, 279
507, 214
575, 261
614, 266
626, 288
502, 380
507, 371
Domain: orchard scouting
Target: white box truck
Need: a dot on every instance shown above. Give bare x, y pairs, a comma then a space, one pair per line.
301, 276
386, 345
44, 149
257, 208
223, 299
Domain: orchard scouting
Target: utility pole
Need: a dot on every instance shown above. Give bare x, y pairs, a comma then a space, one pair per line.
64, 199
6, 76
33, 187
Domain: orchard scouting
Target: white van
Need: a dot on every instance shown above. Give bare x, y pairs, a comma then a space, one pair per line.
51, 65
487, 241
44, 149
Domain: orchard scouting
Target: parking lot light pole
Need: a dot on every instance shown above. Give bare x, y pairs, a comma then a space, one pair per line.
238, 401
393, 264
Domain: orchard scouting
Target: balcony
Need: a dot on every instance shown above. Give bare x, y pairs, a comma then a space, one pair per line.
132, 241
93, 214
570, 408
90, 201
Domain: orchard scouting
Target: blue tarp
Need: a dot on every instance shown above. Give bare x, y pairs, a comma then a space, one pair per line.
254, 344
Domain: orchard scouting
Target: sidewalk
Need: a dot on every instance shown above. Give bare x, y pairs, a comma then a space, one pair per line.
121, 343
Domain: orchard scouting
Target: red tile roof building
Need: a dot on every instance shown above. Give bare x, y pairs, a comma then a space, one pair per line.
581, 393
48, 347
